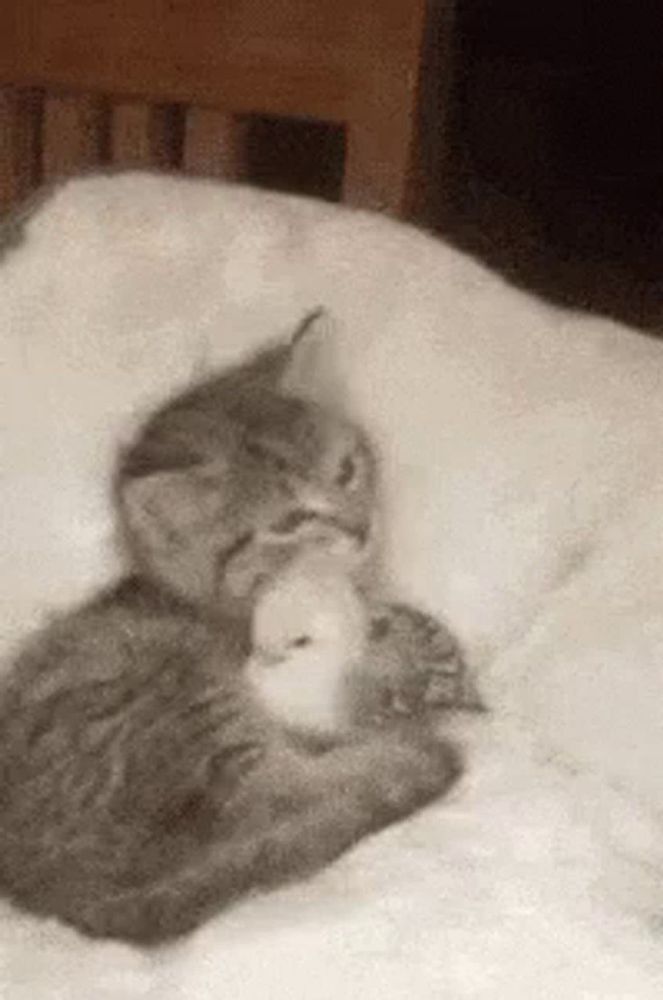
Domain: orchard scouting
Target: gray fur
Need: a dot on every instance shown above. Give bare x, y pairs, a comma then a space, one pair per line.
142, 788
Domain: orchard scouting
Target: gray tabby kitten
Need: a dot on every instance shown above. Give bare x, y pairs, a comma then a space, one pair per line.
142, 786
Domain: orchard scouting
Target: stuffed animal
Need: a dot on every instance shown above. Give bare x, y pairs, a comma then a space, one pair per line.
309, 634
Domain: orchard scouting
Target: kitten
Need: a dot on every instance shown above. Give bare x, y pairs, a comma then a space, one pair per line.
143, 787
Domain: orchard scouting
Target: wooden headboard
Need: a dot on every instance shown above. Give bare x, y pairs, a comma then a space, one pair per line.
169, 83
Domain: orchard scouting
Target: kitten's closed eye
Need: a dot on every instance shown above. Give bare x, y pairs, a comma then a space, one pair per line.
289, 524
347, 472
256, 450
262, 453
230, 551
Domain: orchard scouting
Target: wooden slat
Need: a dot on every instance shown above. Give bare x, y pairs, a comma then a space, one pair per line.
73, 134
382, 140
379, 162
142, 135
292, 58
214, 144
253, 56
19, 144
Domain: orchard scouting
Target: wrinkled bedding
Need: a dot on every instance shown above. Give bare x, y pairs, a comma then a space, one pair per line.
520, 447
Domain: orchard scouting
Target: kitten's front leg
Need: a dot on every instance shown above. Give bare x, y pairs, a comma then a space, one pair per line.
313, 742
300, 812
413, 665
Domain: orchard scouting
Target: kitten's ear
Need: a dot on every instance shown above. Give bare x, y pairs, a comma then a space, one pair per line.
309, 363
165, 509
169, 518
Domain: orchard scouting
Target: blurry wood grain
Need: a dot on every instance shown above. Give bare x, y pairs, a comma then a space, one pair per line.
72, 134
143, 135
19, 144
214, 144
353, 64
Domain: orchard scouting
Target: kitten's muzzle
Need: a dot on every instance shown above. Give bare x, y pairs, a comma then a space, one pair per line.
266, 659
300, 523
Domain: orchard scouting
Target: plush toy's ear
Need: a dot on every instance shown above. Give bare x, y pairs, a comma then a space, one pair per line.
309, 363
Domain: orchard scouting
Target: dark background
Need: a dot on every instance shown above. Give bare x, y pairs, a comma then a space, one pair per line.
553, 165
557, 140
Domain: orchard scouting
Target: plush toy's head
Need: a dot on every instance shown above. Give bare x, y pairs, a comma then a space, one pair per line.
309, 629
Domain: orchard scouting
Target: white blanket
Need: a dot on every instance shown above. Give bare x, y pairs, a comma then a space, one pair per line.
524, 483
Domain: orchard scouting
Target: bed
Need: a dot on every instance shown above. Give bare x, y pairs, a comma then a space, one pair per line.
523, 494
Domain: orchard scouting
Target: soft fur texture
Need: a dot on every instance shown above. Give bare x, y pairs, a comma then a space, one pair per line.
145, 783
520, 447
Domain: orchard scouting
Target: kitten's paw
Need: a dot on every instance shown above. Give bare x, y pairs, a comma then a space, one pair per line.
414, 665
412, 769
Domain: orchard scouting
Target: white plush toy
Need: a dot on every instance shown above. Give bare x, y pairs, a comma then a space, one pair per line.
309, 630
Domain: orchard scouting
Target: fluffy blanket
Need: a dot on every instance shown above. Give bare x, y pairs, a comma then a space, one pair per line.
524, 495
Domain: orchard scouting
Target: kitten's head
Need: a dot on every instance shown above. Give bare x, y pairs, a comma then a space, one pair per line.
234, 478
